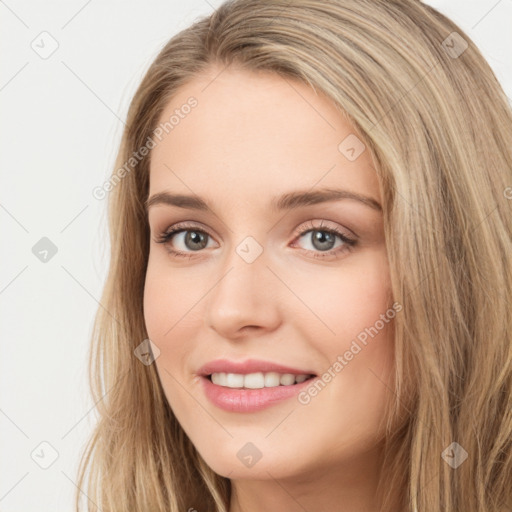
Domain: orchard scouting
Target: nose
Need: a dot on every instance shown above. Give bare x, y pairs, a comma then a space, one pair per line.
244, 299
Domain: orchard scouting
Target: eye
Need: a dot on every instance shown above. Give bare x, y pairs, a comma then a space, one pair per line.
321, 240
190, 236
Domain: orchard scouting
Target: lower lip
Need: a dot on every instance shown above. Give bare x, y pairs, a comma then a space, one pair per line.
249, 400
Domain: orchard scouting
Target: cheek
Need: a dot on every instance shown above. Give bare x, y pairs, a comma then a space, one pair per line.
346, 300
342, 302
352, 327
156, 303
172, 315
166, 320
167, 298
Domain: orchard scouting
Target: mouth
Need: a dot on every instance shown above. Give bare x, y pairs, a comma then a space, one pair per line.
251, 385
252, 392
257, 380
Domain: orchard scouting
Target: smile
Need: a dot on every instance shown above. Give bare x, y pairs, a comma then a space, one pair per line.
240, 399
256, 380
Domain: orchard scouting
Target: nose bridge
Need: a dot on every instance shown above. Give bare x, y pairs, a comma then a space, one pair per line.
242, 294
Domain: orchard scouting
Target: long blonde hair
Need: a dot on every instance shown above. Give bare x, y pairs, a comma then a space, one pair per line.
439, 128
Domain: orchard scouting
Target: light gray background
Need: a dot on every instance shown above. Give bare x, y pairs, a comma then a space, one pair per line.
62, 119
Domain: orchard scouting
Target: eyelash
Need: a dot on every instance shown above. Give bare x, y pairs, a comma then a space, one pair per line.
349, 243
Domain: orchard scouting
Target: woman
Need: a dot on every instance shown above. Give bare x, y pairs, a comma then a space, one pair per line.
308, 303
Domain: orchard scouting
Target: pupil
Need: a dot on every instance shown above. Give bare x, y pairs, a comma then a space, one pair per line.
321, 237
195, 238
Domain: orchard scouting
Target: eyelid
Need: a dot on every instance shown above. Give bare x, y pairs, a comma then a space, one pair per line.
349, 240
324, 225
187, 226
299, 230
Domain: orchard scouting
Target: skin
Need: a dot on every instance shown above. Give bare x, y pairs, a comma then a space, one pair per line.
253, 136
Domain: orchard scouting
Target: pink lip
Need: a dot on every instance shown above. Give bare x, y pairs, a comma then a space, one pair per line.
248, 366
248, 400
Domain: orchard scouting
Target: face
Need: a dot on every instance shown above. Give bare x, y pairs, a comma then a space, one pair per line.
268, 268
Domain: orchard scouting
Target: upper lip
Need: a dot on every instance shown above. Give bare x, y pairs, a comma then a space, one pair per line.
248, 366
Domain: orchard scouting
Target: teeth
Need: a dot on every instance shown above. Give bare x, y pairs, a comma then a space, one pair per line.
234, 381
287, 379
272, 379
257, 380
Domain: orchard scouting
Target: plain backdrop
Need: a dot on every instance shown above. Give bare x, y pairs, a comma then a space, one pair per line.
69, 70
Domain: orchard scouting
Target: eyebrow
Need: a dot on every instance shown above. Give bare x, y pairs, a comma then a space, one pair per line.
288, 201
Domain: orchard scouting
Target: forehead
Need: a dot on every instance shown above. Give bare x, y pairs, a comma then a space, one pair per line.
251, 133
